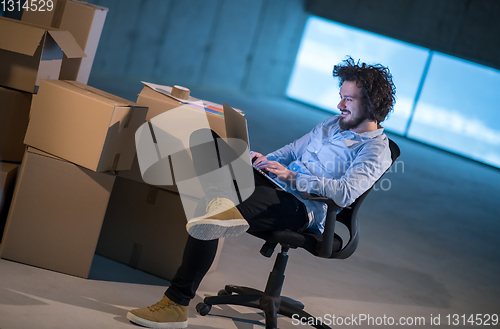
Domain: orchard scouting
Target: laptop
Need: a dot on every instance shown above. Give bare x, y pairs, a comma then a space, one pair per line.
236, 127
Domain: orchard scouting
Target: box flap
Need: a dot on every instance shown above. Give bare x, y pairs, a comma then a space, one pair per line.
96, 7
36, 151
58, 13
68, 44
7, 167
103, 96
20, 37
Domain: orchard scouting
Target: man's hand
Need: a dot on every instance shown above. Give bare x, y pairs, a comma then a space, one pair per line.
274, 167
257, 157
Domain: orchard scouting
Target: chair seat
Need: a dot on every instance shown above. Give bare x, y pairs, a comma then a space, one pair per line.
306, 240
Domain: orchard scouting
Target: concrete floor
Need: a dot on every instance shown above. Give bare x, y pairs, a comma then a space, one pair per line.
429, 247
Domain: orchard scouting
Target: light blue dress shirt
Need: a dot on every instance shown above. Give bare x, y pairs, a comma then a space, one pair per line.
340, 165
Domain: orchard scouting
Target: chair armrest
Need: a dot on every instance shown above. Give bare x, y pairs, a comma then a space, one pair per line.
325, 250
313, 197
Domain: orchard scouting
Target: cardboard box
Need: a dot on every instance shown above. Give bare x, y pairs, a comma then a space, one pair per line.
30, 53
56, 214
145, 227
8, 174
157, 104
14, 118
84, 125
85, 22
45, 17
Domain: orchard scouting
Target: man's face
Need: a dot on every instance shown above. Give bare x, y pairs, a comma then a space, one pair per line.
352, 112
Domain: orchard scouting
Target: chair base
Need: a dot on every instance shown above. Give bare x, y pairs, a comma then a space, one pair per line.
272, 306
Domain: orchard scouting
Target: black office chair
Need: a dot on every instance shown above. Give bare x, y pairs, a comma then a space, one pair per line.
326, 245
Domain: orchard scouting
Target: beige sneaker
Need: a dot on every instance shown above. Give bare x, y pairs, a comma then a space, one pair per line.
222, 220
164, 314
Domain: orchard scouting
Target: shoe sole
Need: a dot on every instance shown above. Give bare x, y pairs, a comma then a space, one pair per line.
151, 324
211, 229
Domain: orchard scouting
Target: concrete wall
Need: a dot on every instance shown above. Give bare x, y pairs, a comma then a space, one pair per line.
469, 29
249, 46
246, 46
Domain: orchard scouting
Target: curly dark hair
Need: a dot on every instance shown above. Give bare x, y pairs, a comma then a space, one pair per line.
378, 90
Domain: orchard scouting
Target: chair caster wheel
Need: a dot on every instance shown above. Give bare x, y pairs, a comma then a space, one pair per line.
223, 292
203, 309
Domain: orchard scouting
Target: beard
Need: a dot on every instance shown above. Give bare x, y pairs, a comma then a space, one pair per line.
353, 122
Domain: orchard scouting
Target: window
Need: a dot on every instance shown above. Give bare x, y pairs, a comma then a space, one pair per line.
458, 109
440, 100
325, 43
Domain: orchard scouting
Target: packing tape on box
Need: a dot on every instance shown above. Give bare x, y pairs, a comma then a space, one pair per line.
180, 92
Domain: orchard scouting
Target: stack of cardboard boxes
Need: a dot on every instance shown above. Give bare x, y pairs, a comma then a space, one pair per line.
79, 189
28, 54
59, 200
151, 220
77, 137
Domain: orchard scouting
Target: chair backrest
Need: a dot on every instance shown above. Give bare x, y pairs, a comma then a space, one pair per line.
349, 217
327, 245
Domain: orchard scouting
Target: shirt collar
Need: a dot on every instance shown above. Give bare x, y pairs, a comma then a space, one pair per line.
366, 134
373, 133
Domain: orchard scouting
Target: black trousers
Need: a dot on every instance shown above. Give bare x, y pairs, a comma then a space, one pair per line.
267, 209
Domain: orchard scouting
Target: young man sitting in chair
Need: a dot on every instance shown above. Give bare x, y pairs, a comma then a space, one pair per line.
340, 158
